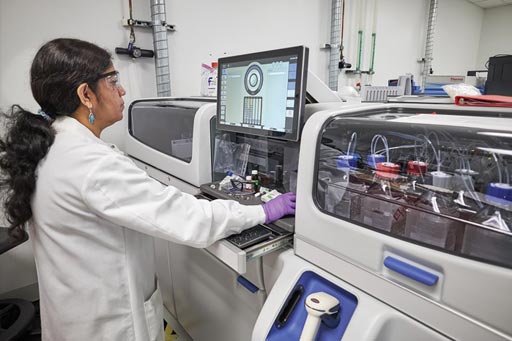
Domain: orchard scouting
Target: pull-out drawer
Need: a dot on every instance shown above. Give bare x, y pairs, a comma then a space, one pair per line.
237, 257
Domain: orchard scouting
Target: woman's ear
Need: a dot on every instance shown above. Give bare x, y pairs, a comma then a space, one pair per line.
85, 94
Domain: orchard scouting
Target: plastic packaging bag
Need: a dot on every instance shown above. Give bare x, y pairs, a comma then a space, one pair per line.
460, 89
209, 80
230, 156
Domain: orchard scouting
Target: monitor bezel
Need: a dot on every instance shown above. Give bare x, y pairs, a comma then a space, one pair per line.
302, 53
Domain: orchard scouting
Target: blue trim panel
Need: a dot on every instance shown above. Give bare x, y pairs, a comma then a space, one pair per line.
247, 284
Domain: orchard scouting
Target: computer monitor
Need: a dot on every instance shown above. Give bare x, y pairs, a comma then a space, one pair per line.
499, 78
263, 93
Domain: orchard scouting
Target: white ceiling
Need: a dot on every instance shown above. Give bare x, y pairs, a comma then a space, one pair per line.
491, 3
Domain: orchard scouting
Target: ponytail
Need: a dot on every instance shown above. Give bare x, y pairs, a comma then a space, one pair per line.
27, 140
58, 69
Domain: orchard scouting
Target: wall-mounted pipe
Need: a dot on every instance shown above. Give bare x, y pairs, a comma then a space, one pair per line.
359, 50
335, 43
162, 66
361, 13
371, 70
429, 43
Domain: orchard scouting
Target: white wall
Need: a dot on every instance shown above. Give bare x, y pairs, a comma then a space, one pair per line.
400, 39
457, 37
401, 33
496, 35
209, 30
26, 24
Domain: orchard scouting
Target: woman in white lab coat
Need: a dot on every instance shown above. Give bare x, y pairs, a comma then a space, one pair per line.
91, 213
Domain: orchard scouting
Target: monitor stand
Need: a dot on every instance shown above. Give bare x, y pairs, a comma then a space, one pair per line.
318, 92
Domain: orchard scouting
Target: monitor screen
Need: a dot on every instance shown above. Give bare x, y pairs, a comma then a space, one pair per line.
263, 93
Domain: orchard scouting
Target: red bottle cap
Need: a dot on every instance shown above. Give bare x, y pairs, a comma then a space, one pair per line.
416, 167
388, 170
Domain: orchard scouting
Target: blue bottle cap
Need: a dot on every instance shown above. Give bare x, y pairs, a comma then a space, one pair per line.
357, 156
373, 159
499, 190
347, 161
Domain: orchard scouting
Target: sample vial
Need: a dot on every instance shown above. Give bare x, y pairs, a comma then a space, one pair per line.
248, 185
255, 180
279, 176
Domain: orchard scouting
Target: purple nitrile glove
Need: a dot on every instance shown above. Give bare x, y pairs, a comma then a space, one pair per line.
279, 207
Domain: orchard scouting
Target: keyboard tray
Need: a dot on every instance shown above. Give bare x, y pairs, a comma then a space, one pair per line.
251, 236
236, 250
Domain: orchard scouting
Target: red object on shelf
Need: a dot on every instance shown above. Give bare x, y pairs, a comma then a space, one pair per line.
387, 170
485, 101
416, 167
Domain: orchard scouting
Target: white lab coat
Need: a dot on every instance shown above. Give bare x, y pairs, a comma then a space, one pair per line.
94, 213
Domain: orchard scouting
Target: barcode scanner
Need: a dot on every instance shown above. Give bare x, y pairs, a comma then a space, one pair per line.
321, 307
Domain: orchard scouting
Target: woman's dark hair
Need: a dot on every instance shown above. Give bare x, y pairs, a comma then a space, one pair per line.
58, 69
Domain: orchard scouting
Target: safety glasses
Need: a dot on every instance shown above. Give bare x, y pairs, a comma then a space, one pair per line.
112, 79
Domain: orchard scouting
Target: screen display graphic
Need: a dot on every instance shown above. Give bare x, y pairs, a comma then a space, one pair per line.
262, 93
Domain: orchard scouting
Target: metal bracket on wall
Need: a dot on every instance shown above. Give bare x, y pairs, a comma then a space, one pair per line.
359, 72
330, 46
146, 24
